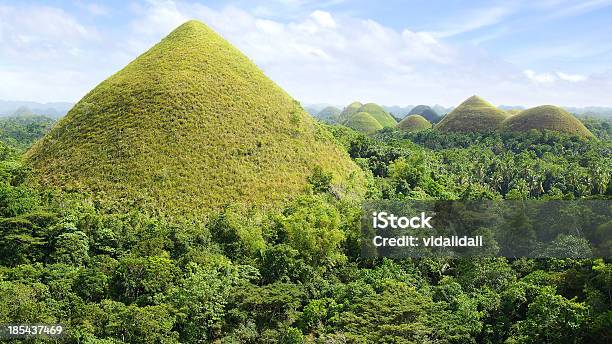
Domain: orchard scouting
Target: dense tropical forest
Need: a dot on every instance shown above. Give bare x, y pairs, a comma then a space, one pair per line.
294, 274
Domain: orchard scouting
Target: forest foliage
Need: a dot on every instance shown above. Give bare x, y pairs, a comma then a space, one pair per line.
20, 132
294, 274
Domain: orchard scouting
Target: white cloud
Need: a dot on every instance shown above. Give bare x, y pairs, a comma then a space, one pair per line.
325, 57
94, 8
159, 17
318, 56
581, 7
474, 20
39, 31
44, 53
571, 77
324, 19
544, 78
549, 78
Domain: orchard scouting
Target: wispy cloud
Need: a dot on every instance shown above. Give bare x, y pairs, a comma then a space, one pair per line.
93, 8
475, 19
552, 77
571, 77
543, 78
39, 30
581, 7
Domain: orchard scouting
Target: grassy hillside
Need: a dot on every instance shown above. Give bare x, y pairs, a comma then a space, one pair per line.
473, 115
381, 116
189, 126
363, 122
546, 117
414, 123
352, 108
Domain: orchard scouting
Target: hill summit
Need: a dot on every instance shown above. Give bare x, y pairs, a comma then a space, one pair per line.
364, 122
351, 109
546, 117
473, 115
414, 123
187, 127
379, 114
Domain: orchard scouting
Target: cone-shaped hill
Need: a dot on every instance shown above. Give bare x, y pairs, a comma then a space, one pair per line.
187, 127
414, 123
473, 115
546, 117
379, 114
352, 108
425, 111
364, 122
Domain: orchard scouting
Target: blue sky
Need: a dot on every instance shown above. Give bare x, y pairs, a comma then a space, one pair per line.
392, 52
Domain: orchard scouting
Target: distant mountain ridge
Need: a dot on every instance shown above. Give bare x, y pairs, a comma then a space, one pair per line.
59, 109
52, 109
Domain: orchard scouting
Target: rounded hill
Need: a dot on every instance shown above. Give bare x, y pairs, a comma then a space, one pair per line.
188, 127
363, 122
546, 117
379, 114
352, 108
414, 123
473, 115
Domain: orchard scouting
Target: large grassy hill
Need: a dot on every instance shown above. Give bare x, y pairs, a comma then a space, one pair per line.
363, 122
546, 117
473, 115
352, 108
414, 123
379, 114
187, 127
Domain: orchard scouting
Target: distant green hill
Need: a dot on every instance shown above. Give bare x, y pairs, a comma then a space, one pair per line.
414, 123
546, 117
364, 122
189, 126
382, 116
329, 114
473, 115
427, 112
